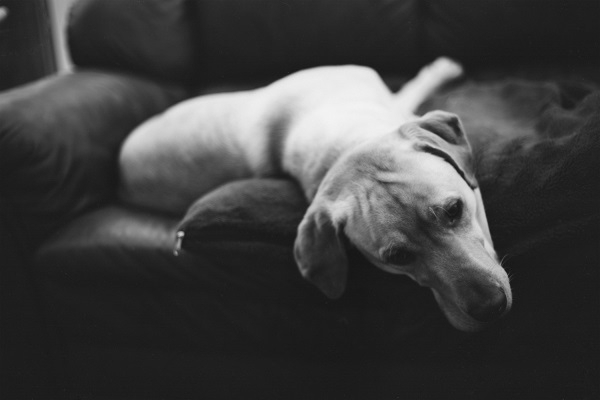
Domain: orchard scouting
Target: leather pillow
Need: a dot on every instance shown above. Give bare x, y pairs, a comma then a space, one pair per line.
150, 37
261, 210
59, 140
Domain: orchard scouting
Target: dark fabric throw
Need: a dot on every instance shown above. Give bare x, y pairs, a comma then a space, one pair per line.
536, 146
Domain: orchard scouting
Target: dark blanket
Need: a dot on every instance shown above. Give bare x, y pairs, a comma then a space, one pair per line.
537, 147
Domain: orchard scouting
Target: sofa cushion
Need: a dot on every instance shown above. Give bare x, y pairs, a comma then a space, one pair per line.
506, 32
59, 141
221, 40
150, 37
111, 278
266, 37
391, 36
252, 210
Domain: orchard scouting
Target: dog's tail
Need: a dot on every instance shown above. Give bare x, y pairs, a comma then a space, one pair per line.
429, 79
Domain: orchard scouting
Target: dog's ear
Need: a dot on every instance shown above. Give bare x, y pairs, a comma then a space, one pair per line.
442, 134
319, 251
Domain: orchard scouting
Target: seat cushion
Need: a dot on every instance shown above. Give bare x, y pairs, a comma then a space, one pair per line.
111, 278
117, 294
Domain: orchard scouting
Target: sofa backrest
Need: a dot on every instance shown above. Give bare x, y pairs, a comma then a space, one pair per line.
195, 40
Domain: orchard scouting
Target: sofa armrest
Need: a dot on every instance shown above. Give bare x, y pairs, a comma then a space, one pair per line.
59, 142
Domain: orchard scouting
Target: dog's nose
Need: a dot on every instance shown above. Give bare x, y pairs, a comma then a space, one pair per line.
491, 308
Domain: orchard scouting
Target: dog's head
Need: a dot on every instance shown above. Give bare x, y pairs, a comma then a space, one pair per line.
411, 204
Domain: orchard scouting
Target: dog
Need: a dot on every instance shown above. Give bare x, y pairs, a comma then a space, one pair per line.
399, 187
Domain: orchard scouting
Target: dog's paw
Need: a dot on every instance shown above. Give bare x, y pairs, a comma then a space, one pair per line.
445, 69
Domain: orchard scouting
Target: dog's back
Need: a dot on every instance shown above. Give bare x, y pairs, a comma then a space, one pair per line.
298, 126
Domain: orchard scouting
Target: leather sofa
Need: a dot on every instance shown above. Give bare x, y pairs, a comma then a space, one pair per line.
95, 305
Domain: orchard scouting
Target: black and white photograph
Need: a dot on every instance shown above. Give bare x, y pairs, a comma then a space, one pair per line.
299, 199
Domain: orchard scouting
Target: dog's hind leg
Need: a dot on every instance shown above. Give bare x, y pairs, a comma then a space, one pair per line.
429, 79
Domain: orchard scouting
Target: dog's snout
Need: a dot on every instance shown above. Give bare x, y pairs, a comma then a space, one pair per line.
490, 307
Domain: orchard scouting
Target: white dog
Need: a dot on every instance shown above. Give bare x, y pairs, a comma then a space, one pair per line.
400, 188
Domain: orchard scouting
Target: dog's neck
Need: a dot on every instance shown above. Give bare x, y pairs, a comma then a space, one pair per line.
308, 161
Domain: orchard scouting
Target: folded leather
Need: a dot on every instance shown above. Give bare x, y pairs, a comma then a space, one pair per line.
248, 210
59, 141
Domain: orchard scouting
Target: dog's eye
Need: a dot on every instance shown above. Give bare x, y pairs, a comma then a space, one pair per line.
401, 257
454, 210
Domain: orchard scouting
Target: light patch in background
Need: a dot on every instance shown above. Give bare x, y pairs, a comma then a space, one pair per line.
59, 11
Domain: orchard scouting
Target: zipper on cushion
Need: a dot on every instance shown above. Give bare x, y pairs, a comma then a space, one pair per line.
178, 239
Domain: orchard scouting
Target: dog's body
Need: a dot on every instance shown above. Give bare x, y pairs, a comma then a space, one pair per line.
401, 188
297, 125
